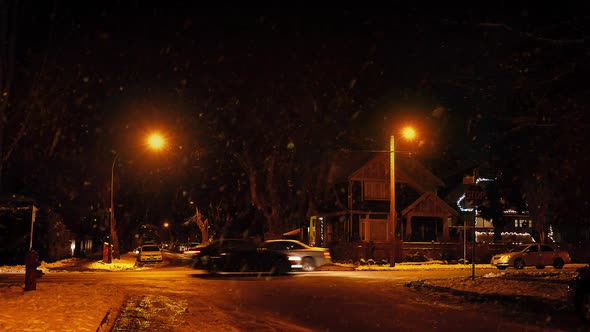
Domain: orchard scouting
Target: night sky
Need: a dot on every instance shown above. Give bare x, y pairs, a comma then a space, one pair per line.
234, 88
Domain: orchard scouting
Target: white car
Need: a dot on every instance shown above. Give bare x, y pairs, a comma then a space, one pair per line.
149, 253
300, 254
534, 254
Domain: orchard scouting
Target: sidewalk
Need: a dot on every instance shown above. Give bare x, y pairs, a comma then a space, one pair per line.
61, 306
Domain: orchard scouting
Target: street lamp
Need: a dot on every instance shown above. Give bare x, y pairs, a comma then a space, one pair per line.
409, 134
156, 142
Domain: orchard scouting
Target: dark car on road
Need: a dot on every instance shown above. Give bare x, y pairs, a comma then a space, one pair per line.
240, 255
579, 292
192, 249
300, 254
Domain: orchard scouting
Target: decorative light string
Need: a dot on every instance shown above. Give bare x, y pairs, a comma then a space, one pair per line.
478, 180
515, 237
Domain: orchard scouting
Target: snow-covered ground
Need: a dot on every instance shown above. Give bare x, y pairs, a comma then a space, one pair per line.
83, 307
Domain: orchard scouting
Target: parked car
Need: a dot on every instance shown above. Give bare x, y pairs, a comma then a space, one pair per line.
149, 253
579, 292
300, 254
534, 254
239, 255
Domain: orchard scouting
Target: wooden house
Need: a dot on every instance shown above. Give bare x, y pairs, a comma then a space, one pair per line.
421, 217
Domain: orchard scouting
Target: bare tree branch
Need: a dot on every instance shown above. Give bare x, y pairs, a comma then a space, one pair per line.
533, 36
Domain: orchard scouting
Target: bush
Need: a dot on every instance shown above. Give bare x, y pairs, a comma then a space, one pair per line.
416, 257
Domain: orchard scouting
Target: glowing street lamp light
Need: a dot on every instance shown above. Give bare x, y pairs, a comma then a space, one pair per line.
408, 133
156, 141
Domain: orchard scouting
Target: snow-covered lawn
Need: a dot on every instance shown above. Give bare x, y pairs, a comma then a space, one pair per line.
544, 285
549, 284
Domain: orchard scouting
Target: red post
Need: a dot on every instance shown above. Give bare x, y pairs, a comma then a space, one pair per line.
31, 264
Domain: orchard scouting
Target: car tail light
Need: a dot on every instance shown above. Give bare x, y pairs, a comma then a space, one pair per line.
327, 254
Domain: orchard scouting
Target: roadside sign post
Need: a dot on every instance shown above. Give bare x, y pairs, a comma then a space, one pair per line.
473, 244
464, 241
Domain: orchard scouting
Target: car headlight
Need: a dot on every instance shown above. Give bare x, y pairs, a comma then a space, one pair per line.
295, 258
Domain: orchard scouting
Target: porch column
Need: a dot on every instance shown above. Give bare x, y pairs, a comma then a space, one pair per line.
445, 228
409, 225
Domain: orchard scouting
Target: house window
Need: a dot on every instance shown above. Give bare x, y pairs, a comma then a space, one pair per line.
483, 223
373, 230
376, 190
523, 223
426, 229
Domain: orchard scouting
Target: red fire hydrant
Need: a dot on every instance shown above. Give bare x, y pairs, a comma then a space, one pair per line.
31, 272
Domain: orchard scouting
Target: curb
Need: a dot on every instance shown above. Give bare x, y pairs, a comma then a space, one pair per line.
108, 321
104, 323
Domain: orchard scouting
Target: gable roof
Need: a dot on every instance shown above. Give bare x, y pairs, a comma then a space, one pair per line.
344, 164
408, 170
431, 204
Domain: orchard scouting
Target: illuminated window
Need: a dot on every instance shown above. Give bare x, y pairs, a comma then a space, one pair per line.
523, 223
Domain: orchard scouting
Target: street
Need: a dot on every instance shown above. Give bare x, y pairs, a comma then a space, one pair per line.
172, 296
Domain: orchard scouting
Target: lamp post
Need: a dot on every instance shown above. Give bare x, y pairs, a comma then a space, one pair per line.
112, 234
156, 142
408, 133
